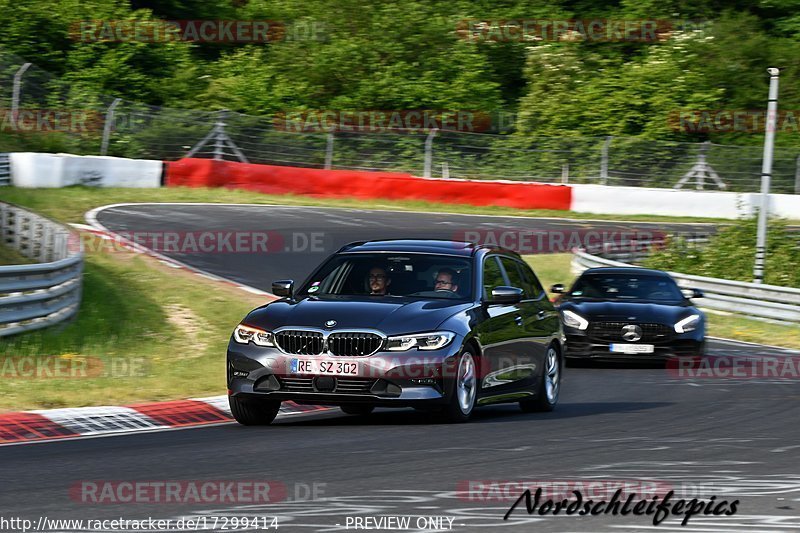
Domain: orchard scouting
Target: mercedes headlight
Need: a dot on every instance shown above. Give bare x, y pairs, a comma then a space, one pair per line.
574, 320
246, 334
423, 341
687, 324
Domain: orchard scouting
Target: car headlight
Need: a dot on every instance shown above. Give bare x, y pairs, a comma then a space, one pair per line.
687, 324
574, 320
246, 334
423, 341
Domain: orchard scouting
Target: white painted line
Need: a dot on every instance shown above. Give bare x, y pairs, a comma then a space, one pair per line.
733, 341
91, 218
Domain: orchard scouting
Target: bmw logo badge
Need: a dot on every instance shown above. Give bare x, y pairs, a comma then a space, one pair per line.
330, 323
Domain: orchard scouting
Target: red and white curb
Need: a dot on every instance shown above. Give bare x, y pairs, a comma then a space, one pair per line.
50, 424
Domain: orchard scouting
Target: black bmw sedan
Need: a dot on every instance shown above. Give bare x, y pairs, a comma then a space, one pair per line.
437, 325
626, 312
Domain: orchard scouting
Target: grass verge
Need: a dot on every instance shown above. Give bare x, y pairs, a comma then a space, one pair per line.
129, 342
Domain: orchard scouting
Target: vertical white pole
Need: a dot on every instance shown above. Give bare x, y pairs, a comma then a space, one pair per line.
766, 175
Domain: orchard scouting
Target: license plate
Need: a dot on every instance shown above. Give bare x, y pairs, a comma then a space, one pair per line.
323, 367
632, 348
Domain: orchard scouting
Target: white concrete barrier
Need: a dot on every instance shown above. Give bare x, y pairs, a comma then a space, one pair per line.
675, 202
33, 170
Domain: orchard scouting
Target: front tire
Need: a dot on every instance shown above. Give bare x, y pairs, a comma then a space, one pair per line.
253, 412
465, 390
549, 386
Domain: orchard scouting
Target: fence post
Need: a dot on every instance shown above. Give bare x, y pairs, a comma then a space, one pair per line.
107, 125
565, 173
219, 139
604, 161
15, 92
429, 153
329, 151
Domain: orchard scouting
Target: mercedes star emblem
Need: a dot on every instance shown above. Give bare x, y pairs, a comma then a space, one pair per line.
631, 332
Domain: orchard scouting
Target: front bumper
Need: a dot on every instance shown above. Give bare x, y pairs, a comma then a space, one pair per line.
583, 346
399, 379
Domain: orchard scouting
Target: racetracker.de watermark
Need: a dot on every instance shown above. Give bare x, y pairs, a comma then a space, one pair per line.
524, 241
71, 366
195, 491
396, 120
197, 31
489, 491
573, 30
201, 242
50, 121
732, 120
736, 367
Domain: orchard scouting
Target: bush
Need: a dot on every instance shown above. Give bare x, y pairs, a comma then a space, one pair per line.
731, 254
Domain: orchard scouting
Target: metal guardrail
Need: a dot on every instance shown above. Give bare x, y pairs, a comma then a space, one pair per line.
42, 294
769, 302
5, 170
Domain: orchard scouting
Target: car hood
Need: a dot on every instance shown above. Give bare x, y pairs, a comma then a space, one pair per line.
389, 315
639, 311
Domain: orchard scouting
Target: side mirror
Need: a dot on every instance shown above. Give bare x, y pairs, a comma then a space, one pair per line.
283, 288
505, 295
692, 293
558, 288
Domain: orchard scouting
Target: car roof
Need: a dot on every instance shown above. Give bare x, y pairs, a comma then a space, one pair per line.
633, 271
433, 246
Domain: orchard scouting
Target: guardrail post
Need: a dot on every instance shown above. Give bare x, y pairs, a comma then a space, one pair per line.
565, 173
426, 173
329, 151
16, 92
797, 176
3, 223
17, 236
107, 125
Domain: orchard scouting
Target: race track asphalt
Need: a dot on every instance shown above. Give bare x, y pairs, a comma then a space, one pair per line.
731, 439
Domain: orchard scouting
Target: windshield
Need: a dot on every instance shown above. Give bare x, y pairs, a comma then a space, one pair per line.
390, 275
626, 287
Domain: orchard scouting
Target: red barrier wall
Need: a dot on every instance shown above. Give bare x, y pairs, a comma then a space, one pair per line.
359, 184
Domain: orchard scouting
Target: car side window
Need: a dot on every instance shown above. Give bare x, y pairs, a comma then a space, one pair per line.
492, 275
533, 288
514, 277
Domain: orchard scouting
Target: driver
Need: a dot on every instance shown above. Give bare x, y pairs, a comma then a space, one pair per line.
378, 281
445, 280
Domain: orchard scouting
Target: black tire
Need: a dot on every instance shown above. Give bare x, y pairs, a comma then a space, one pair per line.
461, 406
253, 412
549, 385
357, 409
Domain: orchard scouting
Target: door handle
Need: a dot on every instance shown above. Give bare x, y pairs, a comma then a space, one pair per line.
541, 315
518, 320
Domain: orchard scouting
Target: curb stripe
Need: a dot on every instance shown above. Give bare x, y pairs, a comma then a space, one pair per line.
180, 413
41, 425
18, 427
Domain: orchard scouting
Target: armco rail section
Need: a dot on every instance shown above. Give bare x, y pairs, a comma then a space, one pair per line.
769, 302
37, 295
